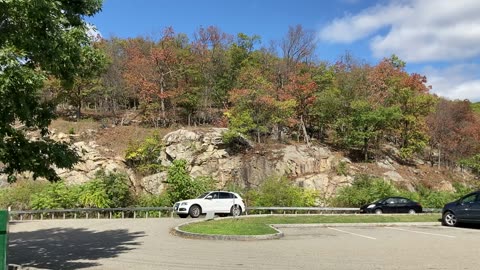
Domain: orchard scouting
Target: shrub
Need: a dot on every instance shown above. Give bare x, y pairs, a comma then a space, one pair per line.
117, 188
19, 195
181, 186
143, 157
153, 200
56, 196
364, 189
93, 194
106, 190
280, 191
341, 168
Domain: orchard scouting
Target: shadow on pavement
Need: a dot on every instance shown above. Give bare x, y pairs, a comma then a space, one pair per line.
68, 248
469, 226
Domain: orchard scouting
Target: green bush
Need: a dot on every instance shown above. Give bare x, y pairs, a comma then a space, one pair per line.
143, 157
364, 189
105, 191
117, 188
181, 186
342, 168
56, 195
280, 191
153, 200
19, 195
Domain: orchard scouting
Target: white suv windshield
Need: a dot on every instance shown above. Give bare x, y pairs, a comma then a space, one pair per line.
203, 195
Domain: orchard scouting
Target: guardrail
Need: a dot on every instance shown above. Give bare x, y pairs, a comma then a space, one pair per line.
158, 212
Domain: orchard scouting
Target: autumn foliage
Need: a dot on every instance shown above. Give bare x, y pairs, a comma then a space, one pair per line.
282, 92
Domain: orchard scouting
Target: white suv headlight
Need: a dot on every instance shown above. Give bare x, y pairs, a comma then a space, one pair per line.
371, 206
184, 203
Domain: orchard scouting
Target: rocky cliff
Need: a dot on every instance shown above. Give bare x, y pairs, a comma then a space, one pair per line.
206, 154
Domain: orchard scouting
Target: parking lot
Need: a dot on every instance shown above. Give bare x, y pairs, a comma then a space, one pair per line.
147, 244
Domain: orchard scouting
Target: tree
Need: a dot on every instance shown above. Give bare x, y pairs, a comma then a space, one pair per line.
367, 124
87, 77
38, 39
454, 131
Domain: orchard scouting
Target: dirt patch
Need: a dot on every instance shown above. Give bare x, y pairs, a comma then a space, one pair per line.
117, 139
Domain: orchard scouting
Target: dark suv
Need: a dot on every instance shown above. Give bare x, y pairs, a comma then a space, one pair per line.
463, 210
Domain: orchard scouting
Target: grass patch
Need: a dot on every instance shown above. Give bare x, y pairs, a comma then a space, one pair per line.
259, 225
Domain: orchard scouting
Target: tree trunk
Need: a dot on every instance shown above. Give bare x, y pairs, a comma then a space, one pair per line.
439, 156
162, 100
79, 103
304, 129
365, 149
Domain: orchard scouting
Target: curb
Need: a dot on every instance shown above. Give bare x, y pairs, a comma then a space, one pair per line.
178, 232
377, 224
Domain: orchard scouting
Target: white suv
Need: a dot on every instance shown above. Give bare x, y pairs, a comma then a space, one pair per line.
219, 202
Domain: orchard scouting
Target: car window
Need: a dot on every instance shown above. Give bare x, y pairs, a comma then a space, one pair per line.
470, 198
391, 201
203, 195
226, 195
402, 200
214, 195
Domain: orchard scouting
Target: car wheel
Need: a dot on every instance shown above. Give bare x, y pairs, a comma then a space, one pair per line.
195, 211
449, 219
236, 210
183, 215
378, 211
412, 211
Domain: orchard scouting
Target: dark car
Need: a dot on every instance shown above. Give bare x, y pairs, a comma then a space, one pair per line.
464, 210
392, 205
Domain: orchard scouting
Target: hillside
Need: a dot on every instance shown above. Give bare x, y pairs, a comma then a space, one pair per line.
114, 140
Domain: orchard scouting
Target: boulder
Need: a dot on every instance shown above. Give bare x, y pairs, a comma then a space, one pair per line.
154, 184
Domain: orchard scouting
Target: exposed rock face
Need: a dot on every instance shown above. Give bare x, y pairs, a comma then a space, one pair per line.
154, 183
207, 155
93, 162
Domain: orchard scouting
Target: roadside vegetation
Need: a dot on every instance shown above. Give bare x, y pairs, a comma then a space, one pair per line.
366, 189
259, 225
113, 190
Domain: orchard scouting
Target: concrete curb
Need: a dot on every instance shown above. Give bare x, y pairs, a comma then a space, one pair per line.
377, 224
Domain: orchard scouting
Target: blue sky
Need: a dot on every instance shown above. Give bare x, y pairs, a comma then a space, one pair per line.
437, 38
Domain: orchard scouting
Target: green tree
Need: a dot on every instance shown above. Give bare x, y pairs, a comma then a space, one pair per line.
39, 38
367, 124
87, 78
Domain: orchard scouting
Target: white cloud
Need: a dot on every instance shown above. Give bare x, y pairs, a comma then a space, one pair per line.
93, 33
455, 82
415, 30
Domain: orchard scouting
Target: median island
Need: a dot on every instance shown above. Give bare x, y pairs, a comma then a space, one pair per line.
260, 225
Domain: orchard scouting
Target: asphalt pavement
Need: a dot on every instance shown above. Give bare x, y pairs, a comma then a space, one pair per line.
148, 244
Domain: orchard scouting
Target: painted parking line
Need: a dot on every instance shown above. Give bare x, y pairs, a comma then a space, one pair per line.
364, 236
435, 234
